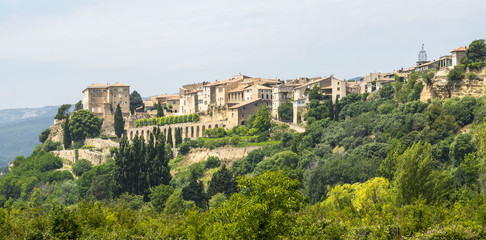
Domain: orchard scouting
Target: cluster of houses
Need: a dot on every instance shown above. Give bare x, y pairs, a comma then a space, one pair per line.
374, 81
235, 99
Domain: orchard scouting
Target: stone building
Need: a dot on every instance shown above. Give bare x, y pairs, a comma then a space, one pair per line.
239, 113
280, 95
189, 102
102, 99
330, 87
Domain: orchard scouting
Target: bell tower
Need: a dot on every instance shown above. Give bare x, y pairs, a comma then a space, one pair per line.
422, 56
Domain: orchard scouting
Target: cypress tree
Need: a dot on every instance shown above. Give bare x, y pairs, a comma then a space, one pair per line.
160, 111
67, 134
178, 136
140, 166
169, 137
119, 122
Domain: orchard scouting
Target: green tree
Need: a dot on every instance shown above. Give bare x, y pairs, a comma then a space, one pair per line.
44, 135
135, 101
119, 122
217, 200
286, 112
261, 210
84, 124
222, 181
387, 91
174, 204
63, 224
195, 192
178, 136
476, 52
78, 106
169, 136
314, 93
159, 196
417, 178
461, 147
62, 111
81, 166
212, 162
262, 119
66, 134
457, 73
160, 110
140, 166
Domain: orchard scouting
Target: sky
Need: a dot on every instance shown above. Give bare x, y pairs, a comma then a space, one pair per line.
50, 51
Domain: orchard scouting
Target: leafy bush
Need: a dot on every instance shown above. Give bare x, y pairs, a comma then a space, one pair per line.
286, 112
212, 162
457, 73
81, 166
44, 134
471, 76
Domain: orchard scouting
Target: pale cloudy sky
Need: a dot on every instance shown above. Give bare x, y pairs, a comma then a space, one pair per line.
51, 50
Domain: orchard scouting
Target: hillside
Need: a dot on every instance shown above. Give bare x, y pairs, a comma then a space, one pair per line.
20, 129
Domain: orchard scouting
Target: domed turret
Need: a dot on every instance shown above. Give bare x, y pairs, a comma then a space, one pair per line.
422, 56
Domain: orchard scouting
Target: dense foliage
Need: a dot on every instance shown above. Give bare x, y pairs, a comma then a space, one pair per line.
380, 166
84, 124
286, 112
140, 166
162, 121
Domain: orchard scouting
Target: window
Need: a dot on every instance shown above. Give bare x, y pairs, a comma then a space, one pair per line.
339, 89
244, 108
267, 96
119, 95
120, 89
263, 96
99, 109
338, 96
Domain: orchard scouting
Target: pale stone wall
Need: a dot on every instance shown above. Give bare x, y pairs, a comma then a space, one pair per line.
225, 154
94, 157
57, 133
102, 144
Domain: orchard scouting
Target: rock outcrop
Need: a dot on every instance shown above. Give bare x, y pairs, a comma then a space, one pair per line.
440, 88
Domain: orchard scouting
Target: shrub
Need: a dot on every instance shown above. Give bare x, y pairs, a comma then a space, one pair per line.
44, 134
81, 166
212, 162
471, 76
457, 73
51, 146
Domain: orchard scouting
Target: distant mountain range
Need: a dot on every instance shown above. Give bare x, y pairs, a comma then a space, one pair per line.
20, 129
355, 79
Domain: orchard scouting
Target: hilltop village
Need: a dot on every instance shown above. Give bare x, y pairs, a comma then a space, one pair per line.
388, 156
230, 102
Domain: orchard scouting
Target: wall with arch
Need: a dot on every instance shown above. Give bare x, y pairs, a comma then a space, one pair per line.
188, 130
